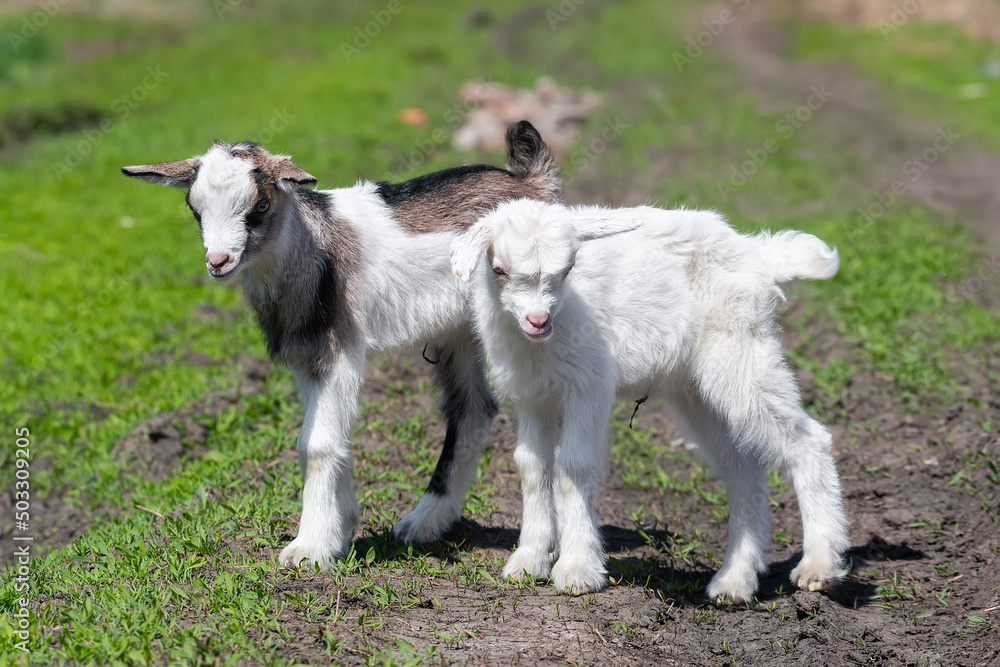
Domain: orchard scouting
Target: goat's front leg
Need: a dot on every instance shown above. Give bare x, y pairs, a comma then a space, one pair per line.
579, 465
468, 405
330, 510
536, 441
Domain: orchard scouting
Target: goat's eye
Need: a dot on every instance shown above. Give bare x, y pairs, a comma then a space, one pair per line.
499, 271
262, 207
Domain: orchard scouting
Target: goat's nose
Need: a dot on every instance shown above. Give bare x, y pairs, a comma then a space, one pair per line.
537, 319
217, 259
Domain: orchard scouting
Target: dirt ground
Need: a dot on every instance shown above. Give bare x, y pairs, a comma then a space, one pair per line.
925, 562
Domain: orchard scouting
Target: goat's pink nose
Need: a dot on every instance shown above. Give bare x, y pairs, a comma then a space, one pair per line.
217, 259
537, 319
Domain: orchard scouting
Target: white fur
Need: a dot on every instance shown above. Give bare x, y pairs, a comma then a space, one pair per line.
223, 192
394, 262
673, 304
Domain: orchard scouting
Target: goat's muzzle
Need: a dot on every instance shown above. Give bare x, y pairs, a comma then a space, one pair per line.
221, 265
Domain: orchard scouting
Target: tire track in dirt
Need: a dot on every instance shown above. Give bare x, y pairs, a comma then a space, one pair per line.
935, 165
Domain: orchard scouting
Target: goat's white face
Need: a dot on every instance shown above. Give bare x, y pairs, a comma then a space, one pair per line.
530, 267
236, 192
229, 207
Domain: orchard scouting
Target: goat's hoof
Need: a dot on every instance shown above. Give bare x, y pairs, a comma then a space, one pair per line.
426, 523
577, 577
727, 601
309, 555
814, 578
732, 588
534, 563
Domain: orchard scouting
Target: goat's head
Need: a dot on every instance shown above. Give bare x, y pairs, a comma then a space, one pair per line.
531, 247
237, 193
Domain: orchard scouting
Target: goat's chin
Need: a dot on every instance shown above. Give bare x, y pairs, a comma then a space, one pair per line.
535, 334
226, 273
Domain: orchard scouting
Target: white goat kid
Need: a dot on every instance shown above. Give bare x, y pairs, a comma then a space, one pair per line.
646, 302
336, 274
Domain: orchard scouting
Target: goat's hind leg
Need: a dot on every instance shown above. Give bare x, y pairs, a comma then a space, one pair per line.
824, 524
745, 479
747, 383
469, 406
749, 528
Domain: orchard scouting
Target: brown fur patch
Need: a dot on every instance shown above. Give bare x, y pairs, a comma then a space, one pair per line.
177, 174
457, 208
275, 167
453, 199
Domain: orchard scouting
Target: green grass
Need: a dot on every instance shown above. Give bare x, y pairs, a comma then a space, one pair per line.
105, 290
933, 70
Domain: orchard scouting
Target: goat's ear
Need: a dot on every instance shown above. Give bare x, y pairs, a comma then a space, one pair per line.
282, 168
588, 226
175, 174
469, 247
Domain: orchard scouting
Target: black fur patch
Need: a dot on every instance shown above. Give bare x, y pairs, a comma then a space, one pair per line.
524, 145
439, 480
317, 200
285, 343
324, 313
459, 401
430, 185
187, 200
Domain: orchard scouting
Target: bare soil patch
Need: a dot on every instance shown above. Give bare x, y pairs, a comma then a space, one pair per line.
980, 18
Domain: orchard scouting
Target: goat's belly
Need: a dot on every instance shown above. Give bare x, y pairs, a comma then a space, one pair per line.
416, 320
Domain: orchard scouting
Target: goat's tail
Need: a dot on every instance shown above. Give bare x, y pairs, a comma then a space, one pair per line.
530, 160
790, 255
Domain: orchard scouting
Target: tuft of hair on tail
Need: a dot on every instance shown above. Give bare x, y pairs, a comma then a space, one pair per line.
530, 160
795, 255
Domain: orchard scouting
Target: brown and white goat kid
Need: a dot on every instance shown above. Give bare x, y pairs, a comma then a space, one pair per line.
576, 306
336, 274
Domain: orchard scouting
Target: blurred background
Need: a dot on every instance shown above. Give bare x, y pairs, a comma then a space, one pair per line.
871, 123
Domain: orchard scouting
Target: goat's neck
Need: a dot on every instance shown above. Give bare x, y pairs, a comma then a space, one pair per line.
302, 291
286, 269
